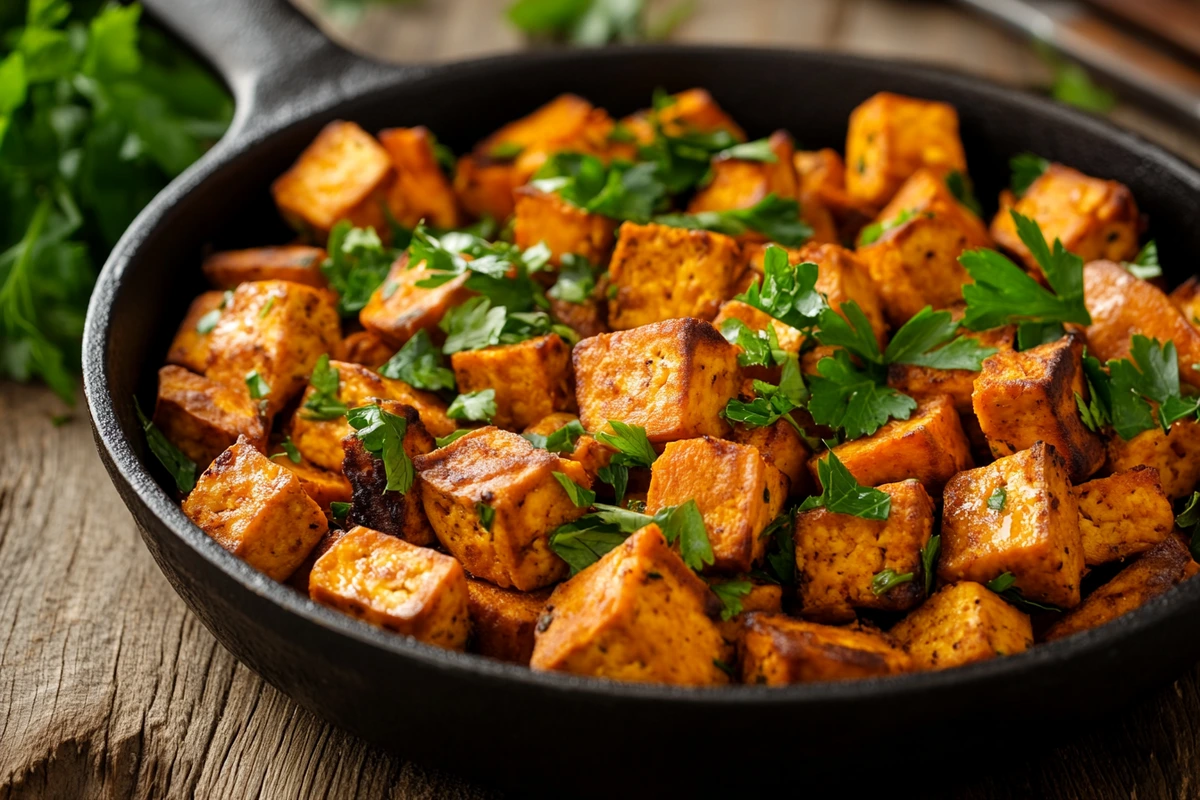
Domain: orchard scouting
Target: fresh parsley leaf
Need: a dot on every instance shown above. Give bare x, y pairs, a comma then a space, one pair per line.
630, 441
382, 434
209, 321
885, 580
1145, 264
576, 280
506, 151
181, 468
419, 364
959, 184
616, 476
581, 497
842, 494
620, 190
499, 271
682, 159
851, 330
928, 340
725, 667
585, 541
758, 150
289, 450
1151, 376
781, 554
929, 558
998, 499
1026, 168
1097, 411
875, 231
478, 406
357, 263
759, 348
731, 594
787, 293
451, 437
477, 324
324, 404
1189, 518
853, 400
560, 441
1072, 85
775, 217
339, 510
486, 514
1002, 582
771, 403
255, 384
682, 523
685, 524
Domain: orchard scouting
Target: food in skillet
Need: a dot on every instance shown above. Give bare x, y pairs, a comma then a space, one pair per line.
644, 400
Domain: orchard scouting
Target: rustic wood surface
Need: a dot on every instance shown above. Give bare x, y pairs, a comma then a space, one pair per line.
110, 687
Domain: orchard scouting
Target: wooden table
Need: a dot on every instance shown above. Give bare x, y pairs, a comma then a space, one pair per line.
109, 686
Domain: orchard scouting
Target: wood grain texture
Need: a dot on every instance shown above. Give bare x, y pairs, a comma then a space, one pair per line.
110, 688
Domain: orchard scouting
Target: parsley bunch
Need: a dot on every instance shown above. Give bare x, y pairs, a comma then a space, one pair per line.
499, 271
419, 364
477, 324
633, 450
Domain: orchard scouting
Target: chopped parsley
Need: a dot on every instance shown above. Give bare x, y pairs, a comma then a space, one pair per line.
255, 384
929, 558
477, 324
560, 441
786, 292
576, 280
478, 406
339, 511
356, 265
758, 150
1145, 264
875, 231
759, 348
382, 435
1138, 393
208, 322
620, 190
419, 364
499, 271
1026, 168
1003, 585
324, 404
731, 594
581, 497
885, 580
584, 541
998, 499
842, 494
775, 217
771, 403
633, 450
454, 436
289, 449
486, 514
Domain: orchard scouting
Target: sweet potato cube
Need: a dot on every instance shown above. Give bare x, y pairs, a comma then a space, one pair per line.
665, 273
398, 586
366, 348
190, 347
1093, 218
781, 446
399, 307
838, 555
257, 510
544, 217
789, 338
1176, 456
962, 624
1186, 298
278, 330
567, 119
204, 418
737, 183
493, 501
672, 378
778, 650
737, 491
299, 578
588, 318
930, 446
1029, 396
1018, 515
421, 190
343, 174
531, 378
324, 486
503, 620
1122, 515
295, 263
822, 175
695, 111
638, 614
483, 187
892, 136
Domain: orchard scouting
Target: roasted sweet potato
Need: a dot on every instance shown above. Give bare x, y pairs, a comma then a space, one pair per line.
324, 486
1186, 298
544, 217
959, 384
399, 307
531, 378
962, 624
822, 174
1122, 515
781, 446
420, 190
483, 187
690, 111
295, 263
778, 650
190, 347
1176, 456
366, 348
202, 417
503, 620
737, 183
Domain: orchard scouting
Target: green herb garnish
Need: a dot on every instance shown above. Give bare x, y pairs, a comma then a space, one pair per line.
842, 494
356, 265
419, 364
289, 449
486, 514
929, 558
1026, 168
775, 217
581, 497
885, 580
731, 594
620, 190
998, 499
1145, 264
181, 468
478, 406
255, 384
382, 435
324, 404
560, 441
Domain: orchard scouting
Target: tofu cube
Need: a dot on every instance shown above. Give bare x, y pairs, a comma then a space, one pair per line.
838, 555
781, 446
295, 263
497, 470
204, 418
1176, 456
257, 510
672, 378
385, 581
399, 307
1029, 396
366, 348
962, 624
1122, 515
638, 614
1033, 533
421, 191
544, 217
190, 348
663, 273
737, 491
778, 650
503, 620
324, 486
531, 378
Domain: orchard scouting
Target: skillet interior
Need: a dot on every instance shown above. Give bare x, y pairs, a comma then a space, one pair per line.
429, 703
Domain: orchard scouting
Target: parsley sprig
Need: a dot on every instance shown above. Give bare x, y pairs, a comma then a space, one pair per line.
1139, 393
633, 450
477, 324
1026, 168
356, 265
786, 292
1003, 585
181, 468
419, 364
620, 190
499, 271
730, 594
560, 441
477, 406
324, 403
772, 402
775, 217
1145, 264
841, 493
583, 542
759, 348
382, 434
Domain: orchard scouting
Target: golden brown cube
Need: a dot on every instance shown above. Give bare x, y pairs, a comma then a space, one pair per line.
1122, 515
822, 174
398, 586
493, 501
737, 183
588, 318
204, 418
1176, 456
366, 348
1029, 396
672, 378
421, 191
503, 620
662, 273
324, 486
638, 614
1018, 515
568, 122
838, 555
295, 263
257, 510
544, 217
782, 446
778, 650
531, 378
1186, 298
190, 347
299, 578
962, 624
399, 307
483, 187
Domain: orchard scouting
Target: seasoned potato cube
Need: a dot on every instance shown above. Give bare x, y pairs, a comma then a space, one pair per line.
778, 650
737, 183
502, 620
531, 378
257, 510
493, 501
277, 329
1122, 305
1029, 396
665, 273
690, 111
563, 227
431, 407
638, 614
568, 122
324, 486
204, 418
958, 384
737, 491
1018, 515
962, 624
1154, 572
1122, 515
914, 260
1186, 298
891, 137
1176, 456
588, 451
929, 446
838, 555
1093, 218
343, 174
672, 378
420, 191
366, 348
295, 263
483, 187
399, 307
190, 348
781, 446
398, 586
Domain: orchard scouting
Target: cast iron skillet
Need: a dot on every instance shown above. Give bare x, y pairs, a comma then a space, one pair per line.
502, 723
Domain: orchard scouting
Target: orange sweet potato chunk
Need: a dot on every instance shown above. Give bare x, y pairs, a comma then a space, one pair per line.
295, 263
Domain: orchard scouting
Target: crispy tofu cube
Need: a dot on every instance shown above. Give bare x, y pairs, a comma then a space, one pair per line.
737, 491
1122, 515
638, 614
343, 174
778, 650
295, 263
366, 348
892, 136
1154, 573
204, 418
1186, 298
1034, 534
563, 227
663, 273
531, 378
324, 486
959, 384
1176, 456
190, 348
929, 446
257, 510
399, 307
484, 188
914, 262
1029, 396
672, 378
1122, 305
781, 446
1093, 218
497, 470
962, 624
275, 328
421, 190
395, 585
503, 620
737, 183
838, 555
